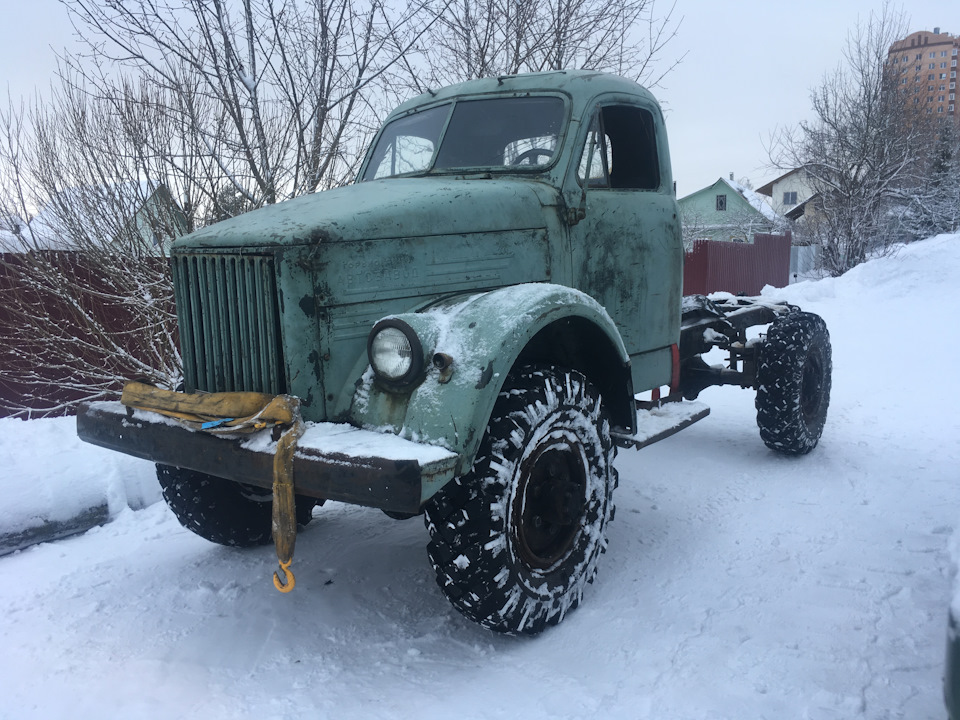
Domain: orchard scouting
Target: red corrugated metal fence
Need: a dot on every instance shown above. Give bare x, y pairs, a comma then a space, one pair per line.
738, 268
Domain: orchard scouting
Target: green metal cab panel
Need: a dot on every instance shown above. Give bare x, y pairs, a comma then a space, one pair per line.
424, 267
334, 292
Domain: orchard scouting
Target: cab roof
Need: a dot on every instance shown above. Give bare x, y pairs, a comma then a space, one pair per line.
581, 85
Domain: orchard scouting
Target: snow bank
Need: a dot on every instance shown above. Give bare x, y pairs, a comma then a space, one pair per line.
52, 483
738, 584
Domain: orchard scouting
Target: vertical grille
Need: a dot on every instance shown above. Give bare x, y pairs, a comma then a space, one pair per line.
229, 322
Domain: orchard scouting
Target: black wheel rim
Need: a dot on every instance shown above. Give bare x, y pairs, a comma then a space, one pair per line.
548, 505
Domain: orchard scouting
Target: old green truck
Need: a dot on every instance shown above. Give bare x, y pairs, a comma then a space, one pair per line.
472, 328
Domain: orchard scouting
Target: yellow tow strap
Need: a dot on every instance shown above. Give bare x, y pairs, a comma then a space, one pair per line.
241, 412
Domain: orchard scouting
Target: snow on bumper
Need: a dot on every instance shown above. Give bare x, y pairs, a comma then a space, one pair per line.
333, 461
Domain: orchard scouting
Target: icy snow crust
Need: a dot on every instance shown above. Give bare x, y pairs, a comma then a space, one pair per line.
738, 584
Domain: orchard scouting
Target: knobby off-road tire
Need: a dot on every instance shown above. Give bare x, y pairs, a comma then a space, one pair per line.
515, 541
223, 511
794, 370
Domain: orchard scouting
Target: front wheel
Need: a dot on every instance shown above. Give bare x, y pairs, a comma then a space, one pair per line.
515, 541
223, 511
794, 370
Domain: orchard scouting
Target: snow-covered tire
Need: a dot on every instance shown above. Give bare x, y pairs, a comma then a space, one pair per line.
515, 541
794, 370
223, 511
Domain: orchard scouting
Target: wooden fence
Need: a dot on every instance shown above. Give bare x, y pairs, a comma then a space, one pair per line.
738, 268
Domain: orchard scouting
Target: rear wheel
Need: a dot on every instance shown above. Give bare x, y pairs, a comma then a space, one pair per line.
515, 541
223, 511
794, 369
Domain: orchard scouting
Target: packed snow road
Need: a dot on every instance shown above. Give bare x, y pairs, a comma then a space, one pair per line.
738, 584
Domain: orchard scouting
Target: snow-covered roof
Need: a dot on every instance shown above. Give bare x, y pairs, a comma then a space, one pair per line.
85, 209
768, 188
756, 200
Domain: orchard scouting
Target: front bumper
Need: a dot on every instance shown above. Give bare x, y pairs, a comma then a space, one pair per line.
332, 461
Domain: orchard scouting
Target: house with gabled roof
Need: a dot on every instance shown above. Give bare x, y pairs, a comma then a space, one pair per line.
790, 193
107, 214
728, 211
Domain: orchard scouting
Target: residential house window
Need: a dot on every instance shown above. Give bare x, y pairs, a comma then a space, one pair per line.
790, 198
721, 203
931, 66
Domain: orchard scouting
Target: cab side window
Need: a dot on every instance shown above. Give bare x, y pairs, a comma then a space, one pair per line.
622, 150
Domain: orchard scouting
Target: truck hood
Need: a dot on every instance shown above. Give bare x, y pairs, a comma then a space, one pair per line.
394, 208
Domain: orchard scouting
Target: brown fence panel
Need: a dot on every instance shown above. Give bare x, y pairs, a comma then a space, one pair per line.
738, 268
32, 381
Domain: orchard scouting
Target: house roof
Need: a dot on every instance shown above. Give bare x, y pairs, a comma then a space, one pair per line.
799, 210
751, 196
88, 206
768, 188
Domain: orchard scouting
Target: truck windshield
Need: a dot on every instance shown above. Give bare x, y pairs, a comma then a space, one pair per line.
500, 133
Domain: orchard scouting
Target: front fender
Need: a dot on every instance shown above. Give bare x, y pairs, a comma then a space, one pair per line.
483, 335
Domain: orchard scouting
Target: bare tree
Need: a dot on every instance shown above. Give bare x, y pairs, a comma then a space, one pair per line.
933, 203
270, 94
482, 38
85, 293
861, 152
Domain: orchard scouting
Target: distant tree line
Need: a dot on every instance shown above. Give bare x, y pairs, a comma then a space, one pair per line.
229, 105
883, 170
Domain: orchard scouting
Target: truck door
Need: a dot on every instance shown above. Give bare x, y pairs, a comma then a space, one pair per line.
627, 251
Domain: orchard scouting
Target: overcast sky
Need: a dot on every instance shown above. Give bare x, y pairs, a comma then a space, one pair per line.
749, 68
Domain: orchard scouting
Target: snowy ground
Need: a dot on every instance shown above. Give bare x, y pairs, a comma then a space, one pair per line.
739, 584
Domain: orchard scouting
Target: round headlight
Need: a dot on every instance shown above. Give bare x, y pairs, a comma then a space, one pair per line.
395, 351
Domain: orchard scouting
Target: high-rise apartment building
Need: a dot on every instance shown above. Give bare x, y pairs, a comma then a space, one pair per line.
926, 64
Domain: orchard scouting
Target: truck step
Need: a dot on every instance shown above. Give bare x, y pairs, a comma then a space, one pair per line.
658, 423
